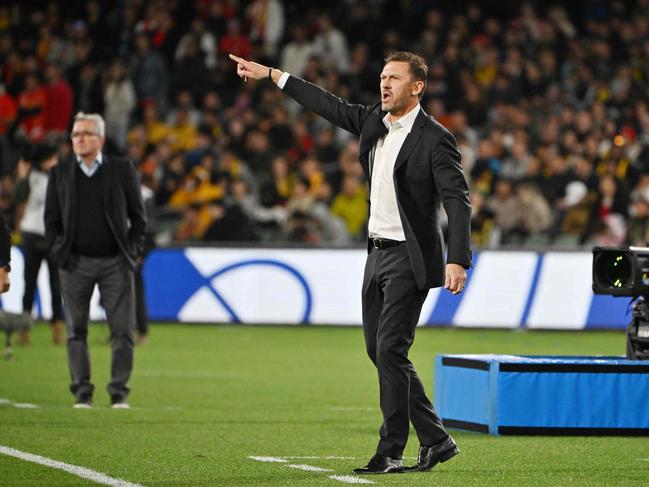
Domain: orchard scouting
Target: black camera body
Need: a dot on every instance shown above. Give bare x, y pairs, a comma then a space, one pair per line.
624, 272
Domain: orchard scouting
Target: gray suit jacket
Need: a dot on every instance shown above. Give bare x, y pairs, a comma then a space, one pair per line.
427, 173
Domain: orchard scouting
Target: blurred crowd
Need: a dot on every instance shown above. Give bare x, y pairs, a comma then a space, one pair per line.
549, 102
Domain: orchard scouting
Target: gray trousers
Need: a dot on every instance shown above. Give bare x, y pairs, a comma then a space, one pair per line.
391, 307
115, 281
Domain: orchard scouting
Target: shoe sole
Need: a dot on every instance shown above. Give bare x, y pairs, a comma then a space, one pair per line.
444, 458
395, 470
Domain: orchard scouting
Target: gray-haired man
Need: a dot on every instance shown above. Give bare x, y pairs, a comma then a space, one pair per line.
94, 221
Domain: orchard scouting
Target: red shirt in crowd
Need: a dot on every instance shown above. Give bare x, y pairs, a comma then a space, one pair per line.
59, 106
33, 104
8, 111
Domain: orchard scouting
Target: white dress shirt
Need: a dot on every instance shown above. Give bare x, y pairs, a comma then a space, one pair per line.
385, 221
90, 171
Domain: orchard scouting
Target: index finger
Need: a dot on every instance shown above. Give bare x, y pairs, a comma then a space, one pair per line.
236, 58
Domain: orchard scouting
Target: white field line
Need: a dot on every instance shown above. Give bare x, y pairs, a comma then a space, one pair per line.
309, 468
84, 473
350, 479
340, 458
268, 459
321, 458
20, 405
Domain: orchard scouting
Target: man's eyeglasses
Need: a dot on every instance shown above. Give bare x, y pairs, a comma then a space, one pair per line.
83, 133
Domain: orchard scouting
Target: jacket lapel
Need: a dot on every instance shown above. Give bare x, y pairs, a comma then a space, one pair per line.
411, 140
374, 132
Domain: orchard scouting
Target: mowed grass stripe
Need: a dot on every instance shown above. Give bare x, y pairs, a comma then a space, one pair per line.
206, 398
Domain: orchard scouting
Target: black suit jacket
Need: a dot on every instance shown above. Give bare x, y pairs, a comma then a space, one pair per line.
427, 173
122, 201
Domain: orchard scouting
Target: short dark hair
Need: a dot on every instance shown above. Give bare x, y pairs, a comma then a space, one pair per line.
416, 63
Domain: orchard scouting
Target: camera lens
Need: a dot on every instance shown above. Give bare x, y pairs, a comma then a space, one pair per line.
614, 270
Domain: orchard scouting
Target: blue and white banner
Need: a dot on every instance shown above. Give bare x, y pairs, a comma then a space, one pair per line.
505, 289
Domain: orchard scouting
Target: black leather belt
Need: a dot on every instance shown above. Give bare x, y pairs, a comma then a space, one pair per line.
384, 243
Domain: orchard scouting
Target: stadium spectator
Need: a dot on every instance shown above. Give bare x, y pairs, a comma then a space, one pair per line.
295, 54
351, 205
120, 101
31, 110
535, 213
330, 45
638, 229
234, 41
89, 95
206, 43
32, 175
190, 71
266, 24
96, 234
506, 208
59, 101
8, 113
149, 73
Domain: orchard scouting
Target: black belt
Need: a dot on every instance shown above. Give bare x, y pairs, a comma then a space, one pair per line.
384, 243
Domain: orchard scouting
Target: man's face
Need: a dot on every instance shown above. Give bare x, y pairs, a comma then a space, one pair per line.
397, 88
86, 142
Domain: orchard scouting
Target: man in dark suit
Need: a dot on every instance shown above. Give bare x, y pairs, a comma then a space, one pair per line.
94, 222
413, 165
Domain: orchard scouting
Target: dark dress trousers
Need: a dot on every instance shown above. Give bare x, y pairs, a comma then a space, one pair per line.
427, 174
115, 192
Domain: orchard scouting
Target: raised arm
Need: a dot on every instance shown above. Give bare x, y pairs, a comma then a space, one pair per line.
336, 110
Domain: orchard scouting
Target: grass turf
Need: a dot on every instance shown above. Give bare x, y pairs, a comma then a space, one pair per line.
204, 398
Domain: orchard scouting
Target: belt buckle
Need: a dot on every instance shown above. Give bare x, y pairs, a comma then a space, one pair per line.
376, 242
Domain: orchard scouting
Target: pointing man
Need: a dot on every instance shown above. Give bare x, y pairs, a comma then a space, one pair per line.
413, 166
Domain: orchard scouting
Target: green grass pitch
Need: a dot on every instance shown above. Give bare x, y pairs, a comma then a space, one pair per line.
205, 398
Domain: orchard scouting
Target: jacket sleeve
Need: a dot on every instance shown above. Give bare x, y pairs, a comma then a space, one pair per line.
336, 110
454, 192
135, 209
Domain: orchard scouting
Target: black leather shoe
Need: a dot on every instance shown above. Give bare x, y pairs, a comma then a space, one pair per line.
381, 464
429, 456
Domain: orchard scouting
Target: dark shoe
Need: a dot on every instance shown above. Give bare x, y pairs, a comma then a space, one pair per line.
381, 464
429, 456
118, 402
83, 402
